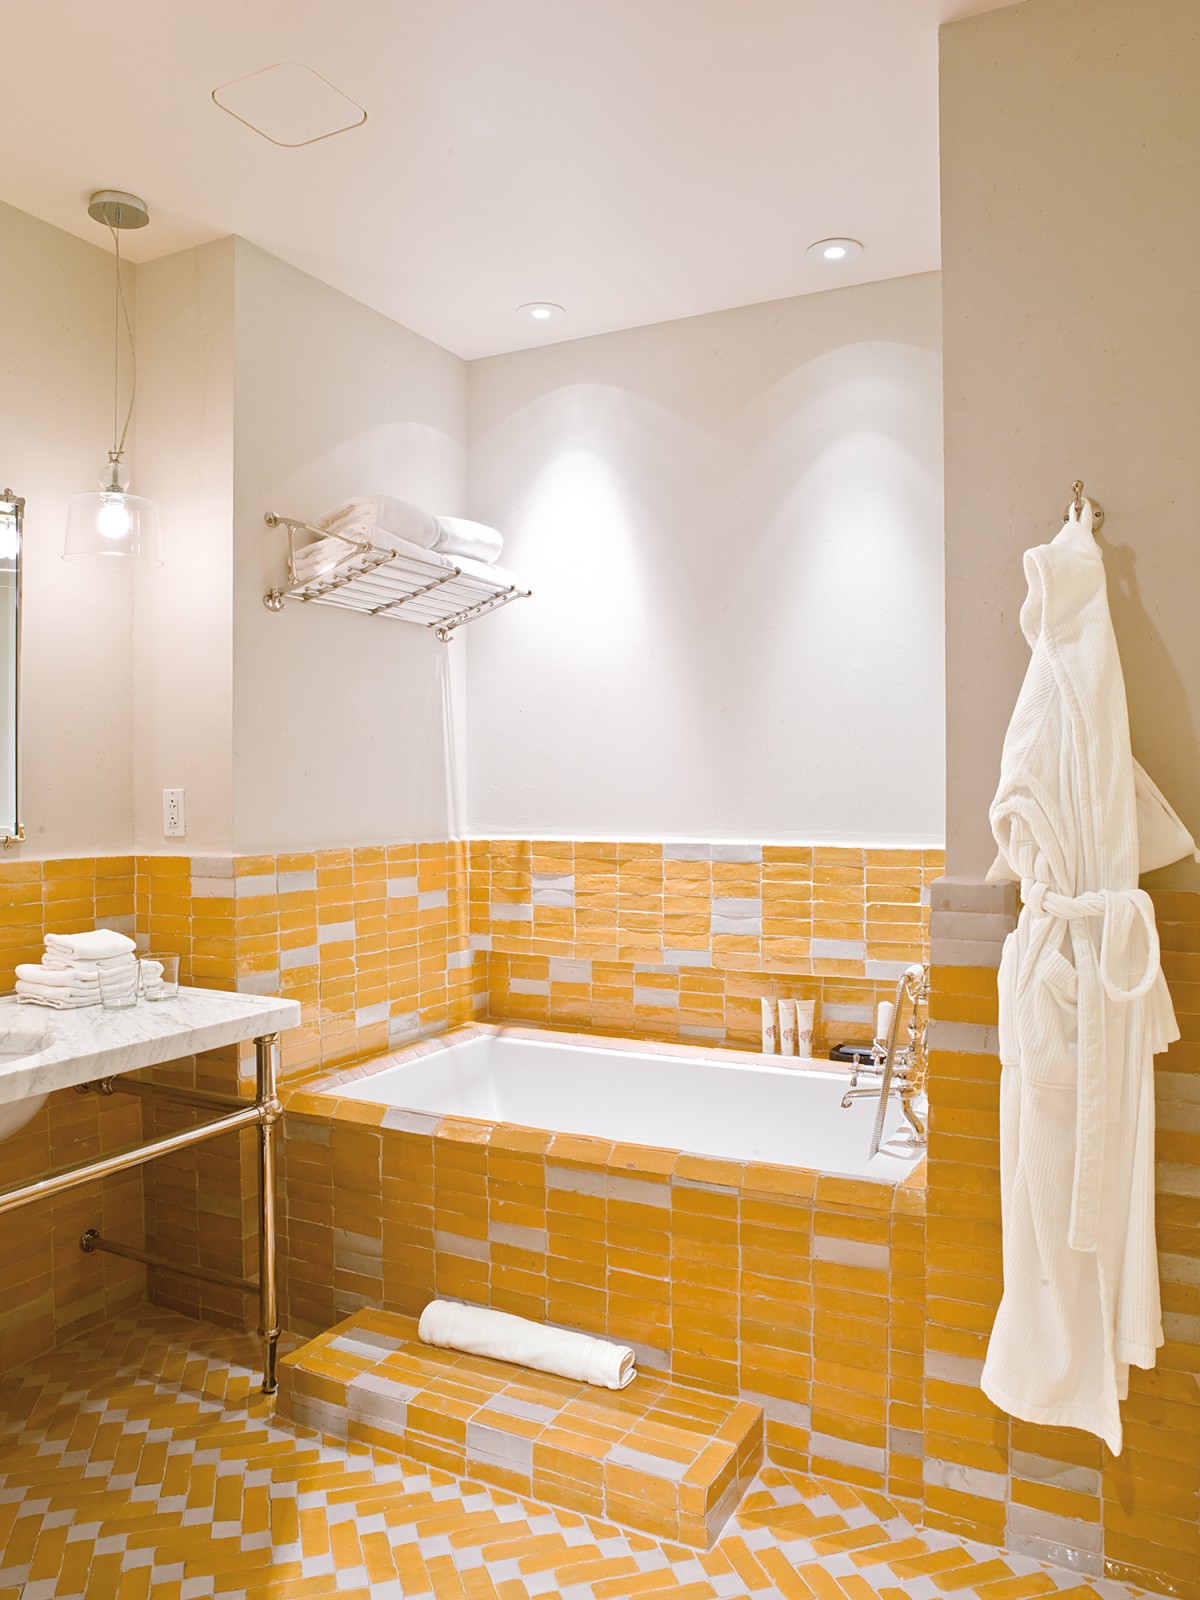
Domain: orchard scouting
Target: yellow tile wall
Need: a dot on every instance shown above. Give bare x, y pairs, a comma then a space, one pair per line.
50, 1290
1043, 1490
682, 941
383, 944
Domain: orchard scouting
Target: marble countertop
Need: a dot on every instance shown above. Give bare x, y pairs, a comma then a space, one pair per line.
80, 1046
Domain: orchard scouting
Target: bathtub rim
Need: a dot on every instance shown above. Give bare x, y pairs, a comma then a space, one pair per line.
315, 1098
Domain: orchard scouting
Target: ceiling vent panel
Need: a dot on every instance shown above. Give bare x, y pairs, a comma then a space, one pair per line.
289, 104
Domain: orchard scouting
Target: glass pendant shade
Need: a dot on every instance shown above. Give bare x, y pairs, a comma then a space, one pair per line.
113, 527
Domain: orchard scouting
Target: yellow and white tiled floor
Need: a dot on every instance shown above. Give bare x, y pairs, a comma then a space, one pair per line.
140, 1461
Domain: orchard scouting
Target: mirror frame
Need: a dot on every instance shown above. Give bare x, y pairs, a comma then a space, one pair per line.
17, 832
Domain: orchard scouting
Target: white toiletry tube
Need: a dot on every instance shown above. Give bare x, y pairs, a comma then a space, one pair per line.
883, 1020
787, 1027
806, 1011
770, 1034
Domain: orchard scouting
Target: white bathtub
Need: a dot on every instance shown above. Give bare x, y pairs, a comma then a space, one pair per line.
740, 1108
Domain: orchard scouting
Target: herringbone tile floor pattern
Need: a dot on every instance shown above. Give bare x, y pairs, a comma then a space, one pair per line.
141, 1462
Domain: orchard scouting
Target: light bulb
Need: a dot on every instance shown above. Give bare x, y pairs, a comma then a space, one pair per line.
541, 311
113, 519
834, 250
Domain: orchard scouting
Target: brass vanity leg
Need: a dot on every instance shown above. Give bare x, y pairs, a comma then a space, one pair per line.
265, 1055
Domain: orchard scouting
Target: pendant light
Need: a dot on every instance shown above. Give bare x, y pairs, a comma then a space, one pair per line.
111, 527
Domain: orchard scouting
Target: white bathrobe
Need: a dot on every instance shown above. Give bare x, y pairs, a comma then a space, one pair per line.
1083, 1010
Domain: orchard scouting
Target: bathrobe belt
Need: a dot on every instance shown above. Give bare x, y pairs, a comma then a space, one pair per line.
1119, 911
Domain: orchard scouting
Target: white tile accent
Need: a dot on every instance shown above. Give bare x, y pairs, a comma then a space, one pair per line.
211, 888
838, 950
254, 884
733, 906
401, 888
410, 1121
565, 969
306, 955
457, 1244
258, 983
744, 927
432, 899
508, 911
688, 958
212, 866
966, 1480
563, 898
660, 999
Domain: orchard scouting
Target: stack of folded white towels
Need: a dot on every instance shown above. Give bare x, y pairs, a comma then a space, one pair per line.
69, 973
385, 522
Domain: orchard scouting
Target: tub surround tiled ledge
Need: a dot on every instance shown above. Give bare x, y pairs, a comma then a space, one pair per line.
660, 1457
93, 1042
797, 1291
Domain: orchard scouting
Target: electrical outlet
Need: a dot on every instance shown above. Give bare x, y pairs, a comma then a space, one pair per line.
174, 817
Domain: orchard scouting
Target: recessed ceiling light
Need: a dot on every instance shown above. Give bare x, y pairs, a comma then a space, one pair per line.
835, 250
541, 311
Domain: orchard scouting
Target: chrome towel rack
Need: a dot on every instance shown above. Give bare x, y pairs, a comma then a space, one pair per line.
422, 588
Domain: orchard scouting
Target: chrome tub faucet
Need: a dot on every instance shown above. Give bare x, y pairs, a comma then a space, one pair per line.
901, 1070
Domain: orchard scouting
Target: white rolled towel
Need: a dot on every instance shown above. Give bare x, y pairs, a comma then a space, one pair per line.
100, 944
503, 1337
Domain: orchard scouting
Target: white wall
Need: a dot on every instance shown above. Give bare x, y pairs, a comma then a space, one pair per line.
732, 525
55, 431
1071, 243
733, 529
183, 621
344, 725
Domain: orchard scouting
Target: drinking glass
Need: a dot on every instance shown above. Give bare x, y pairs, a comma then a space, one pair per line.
118, 985
160, 976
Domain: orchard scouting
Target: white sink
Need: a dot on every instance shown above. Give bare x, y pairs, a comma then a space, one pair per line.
17, 1046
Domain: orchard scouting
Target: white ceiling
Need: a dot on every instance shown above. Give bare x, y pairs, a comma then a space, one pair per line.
632, 160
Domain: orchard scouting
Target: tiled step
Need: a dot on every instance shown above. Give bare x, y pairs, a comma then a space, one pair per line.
660, 1457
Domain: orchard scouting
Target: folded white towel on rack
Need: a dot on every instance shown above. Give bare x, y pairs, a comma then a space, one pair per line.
323, 563
322, 558
369, 516
503, 1337
458, 536
384, 511
99, 944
